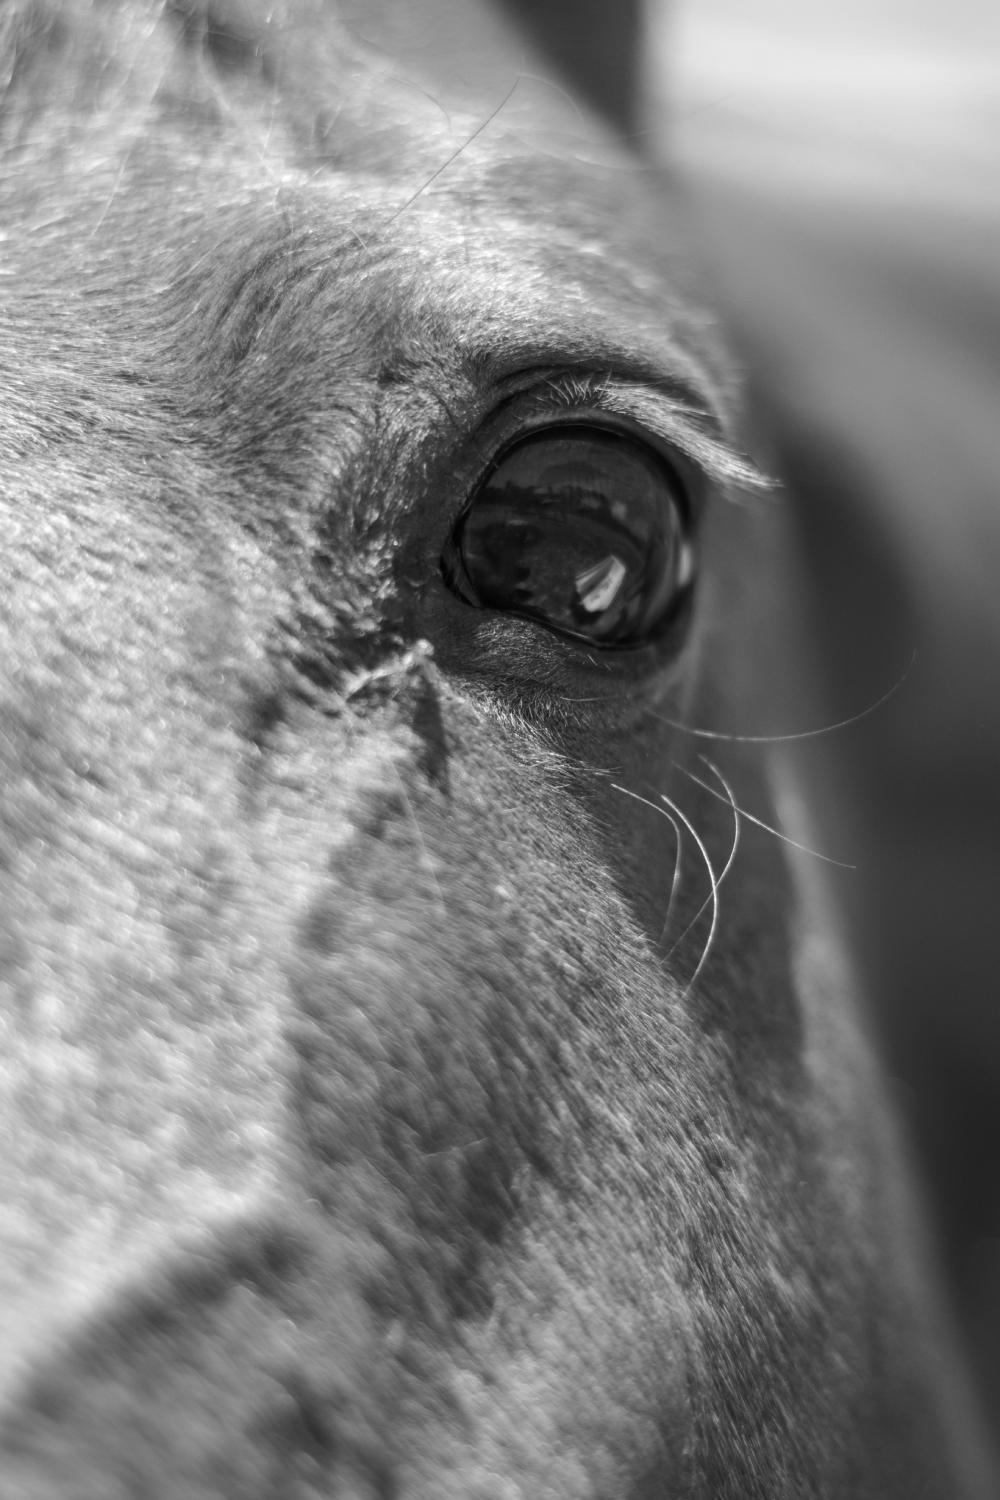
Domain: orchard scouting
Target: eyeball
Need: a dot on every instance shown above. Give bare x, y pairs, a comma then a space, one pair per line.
584, 529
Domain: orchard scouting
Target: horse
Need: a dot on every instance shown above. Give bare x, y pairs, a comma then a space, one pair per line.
432, 1062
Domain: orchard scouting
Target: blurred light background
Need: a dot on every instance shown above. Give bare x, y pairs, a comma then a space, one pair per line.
899, 99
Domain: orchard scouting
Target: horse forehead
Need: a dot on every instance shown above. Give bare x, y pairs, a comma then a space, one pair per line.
298, 142
472, 249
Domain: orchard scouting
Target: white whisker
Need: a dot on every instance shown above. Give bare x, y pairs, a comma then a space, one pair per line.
675, 878
713, 899
722, 875
759, 822
802, 734
737, 816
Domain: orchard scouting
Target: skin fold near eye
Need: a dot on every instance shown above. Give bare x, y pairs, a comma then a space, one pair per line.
580, 528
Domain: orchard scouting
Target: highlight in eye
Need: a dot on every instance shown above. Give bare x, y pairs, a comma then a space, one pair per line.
582, 528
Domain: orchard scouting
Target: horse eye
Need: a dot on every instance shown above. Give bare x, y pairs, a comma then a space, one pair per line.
580, 528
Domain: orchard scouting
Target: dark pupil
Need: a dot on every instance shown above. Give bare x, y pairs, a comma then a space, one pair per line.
579, 528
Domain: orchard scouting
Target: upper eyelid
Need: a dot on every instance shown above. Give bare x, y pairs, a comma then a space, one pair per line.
681, 425
669, 412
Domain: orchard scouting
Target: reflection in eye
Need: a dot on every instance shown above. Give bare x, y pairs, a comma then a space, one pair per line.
597, 586
582, 528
